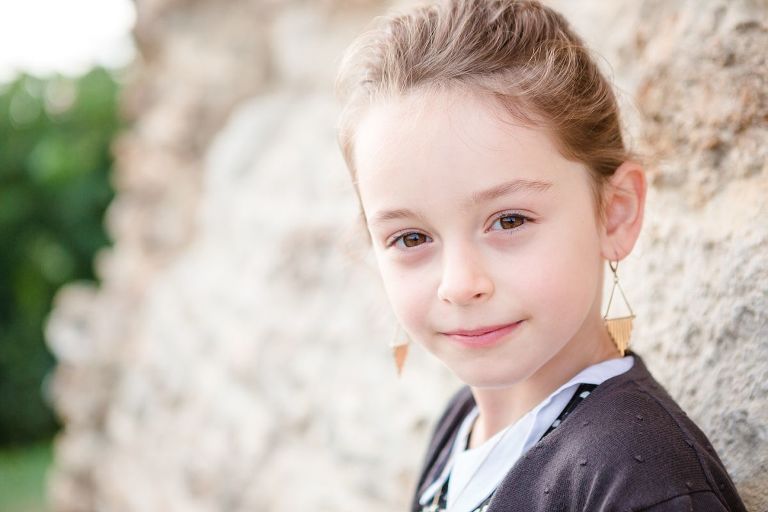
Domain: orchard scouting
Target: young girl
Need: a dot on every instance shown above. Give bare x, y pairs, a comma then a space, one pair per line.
486, 152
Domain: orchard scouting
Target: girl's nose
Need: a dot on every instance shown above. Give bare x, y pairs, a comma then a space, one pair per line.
464, 278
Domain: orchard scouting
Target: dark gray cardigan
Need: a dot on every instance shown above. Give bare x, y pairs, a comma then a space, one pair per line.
627, 447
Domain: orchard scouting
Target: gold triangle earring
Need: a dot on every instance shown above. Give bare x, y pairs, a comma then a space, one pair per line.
619, 328
399, 346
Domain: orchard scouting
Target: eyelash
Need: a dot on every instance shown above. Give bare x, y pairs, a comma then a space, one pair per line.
497, 218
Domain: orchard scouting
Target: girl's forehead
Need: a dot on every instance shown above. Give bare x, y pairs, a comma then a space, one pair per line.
446, 134
429, 114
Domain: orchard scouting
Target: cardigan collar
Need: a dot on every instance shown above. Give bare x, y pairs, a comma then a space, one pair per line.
513, 441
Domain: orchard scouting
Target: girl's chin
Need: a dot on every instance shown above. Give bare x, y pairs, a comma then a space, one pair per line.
489, 376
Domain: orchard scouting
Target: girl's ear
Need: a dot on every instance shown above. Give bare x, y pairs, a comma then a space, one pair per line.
624, 207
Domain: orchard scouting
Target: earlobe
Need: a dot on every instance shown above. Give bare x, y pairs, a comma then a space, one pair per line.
624, 209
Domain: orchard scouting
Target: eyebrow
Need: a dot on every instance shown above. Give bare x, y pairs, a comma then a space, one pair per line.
502, 189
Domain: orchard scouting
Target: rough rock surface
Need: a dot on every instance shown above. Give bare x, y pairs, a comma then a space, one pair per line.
235, 357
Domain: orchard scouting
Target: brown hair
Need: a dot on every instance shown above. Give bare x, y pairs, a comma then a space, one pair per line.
523, 54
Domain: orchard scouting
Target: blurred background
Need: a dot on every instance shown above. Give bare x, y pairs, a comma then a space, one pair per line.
189, 318
61, 66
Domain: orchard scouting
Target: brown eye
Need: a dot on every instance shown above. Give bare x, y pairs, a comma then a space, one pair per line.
410, 239
510, 221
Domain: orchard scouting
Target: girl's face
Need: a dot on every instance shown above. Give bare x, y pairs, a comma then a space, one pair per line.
476, 223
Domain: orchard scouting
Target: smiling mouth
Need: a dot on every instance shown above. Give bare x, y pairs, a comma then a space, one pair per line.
484, 337
480, 331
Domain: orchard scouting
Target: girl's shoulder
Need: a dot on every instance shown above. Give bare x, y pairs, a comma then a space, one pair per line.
628, 445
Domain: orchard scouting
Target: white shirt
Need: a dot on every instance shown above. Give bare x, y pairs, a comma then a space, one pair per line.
523, 434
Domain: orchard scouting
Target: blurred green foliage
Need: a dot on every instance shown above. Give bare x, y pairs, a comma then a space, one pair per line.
23, 481
55, 161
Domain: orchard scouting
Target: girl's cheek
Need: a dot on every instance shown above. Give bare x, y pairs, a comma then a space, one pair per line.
407, 290
536, 267
567, 273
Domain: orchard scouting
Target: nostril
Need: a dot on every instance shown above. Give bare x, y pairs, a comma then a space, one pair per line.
464, 290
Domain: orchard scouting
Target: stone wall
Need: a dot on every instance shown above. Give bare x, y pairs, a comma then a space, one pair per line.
235, 357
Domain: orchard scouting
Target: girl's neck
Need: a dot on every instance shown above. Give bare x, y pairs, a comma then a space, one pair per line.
501, 407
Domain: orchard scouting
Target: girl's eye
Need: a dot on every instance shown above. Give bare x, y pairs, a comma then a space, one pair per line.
510, 221
411, 239
507, 222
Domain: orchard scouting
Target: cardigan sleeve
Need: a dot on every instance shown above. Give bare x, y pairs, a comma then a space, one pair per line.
702, 501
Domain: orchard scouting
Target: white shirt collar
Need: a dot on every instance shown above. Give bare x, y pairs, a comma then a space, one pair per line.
523, 434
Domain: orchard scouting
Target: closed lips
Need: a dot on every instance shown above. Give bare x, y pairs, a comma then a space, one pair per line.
481, 331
